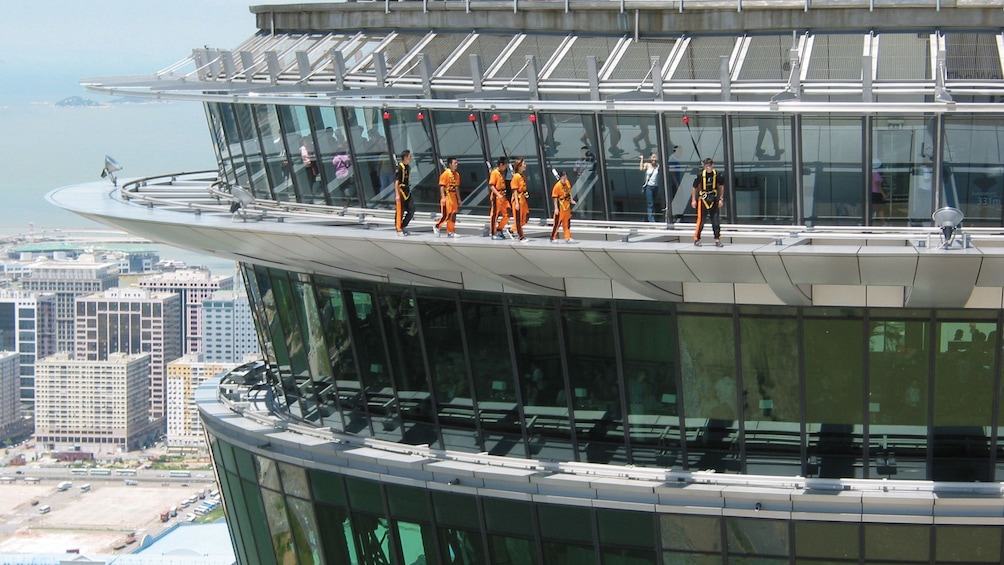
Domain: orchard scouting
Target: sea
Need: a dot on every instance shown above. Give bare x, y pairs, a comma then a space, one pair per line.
45, 146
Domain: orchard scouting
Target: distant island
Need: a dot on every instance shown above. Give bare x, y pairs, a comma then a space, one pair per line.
81, 102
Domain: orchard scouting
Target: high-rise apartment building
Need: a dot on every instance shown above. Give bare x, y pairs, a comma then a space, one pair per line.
68, 280
132, 320
28, 326
228, 334
184, 375
193, 286
10, 396
91, 405
820, 388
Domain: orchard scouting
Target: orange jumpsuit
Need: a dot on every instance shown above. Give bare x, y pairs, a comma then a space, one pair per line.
449, 181
521, 208
499, 214
562, 192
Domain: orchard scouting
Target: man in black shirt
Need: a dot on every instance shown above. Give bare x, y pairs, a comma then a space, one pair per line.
708, 197
404, 203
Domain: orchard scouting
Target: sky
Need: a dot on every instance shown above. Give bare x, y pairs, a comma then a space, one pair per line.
49, 45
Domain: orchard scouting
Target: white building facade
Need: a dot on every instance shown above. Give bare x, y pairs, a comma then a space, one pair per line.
193, 286
98, 406
68, 280
184, 375
228, 334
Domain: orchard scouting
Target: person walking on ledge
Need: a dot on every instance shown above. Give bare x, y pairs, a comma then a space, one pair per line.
563, 201
499, 215
708, 197
449, 198
404, 206
520, 204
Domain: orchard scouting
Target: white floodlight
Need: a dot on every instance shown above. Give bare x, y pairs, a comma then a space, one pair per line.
111, 167
948, 219
242, 199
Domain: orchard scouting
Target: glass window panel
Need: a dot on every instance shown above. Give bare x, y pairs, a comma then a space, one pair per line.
573, 65
650, 383
707, 364
898, 357
327, 487
508, 516
375, 371
562, 553
260, 523
461, 547
538, 359
278, 525
764, 170
771, 407
294, 480
675, 558
702, 58
444, 345
836, 57
970, 544
514, 136
364, 495
569, 523
316, 375
220, 125
904, 56
460, 137
340, 390
897, 542
296, 383
834, 364
757, 536
278, 353
306, 536
302, 149
570, 142
839, 540
690, 533
334, 523
484, 45
246, 464
414, 403
454, 509
973, 151
236, 514
508, 549
635, 62
901, 166
409, 132
623, 528
336, 166
767, 58
625, 174
373, 164
618, 556
408, 503
832, 173
541, 46
700, 138
491, 368
278, 168
227, 457
418, 542
372, 537
963, 401
255, 176
593, 378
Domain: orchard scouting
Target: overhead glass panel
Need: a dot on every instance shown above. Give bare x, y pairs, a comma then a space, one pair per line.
636, 61
487, 46
767, 58
395, 50
904, 56
440, 47
573, 64
836, 57
972, 56
542, 47
702, 59
359, 51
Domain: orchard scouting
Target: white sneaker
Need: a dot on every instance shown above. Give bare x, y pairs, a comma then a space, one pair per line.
452, 235
524, 240
435, 230
570, 240
554, 241
509, 234
402, 233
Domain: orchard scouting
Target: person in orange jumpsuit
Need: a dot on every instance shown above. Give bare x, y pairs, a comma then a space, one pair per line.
449, 198
561, 192
520, 205
498, 217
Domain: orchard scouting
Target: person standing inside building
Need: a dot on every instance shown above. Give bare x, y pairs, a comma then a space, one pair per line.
499, 215
879, 197
651, 183
404, 205
449, 198
708, 197
563, 201
520, 205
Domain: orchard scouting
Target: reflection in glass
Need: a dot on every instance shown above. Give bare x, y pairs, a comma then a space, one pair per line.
902, 166
972, 156
372, 538
374, 399
757, 536
570, 143
278, 525
409, 132
403, 335
250, 143
336, 167
333, 322
445, 348
373, 162
458, 136
491, 368
302, 149
625, 179
690, 533
512, 135
764, 188
833, 178
278, 166
708, 367
834, 363
771, 395
896, 542
461, 547
650, 387
306, 536
898, 398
